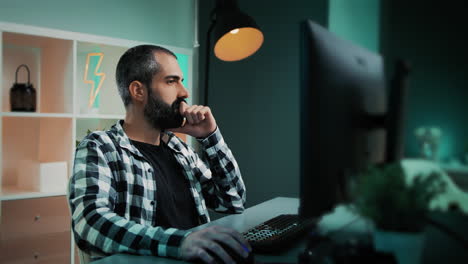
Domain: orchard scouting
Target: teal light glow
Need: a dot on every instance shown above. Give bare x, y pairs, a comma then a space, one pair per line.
183, 60
357, 21
183, 63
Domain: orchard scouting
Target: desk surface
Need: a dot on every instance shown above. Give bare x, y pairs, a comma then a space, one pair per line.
252, 217
339, 224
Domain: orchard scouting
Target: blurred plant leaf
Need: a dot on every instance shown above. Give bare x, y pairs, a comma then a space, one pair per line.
382, 195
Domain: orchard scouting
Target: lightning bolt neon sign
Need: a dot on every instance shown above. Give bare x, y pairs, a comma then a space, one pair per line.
94, 91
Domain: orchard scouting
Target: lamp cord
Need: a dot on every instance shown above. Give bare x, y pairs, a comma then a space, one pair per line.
207, 55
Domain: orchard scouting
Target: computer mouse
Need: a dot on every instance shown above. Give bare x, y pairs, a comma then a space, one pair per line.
238, 259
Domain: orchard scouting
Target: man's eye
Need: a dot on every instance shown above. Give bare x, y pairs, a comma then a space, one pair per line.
171, 81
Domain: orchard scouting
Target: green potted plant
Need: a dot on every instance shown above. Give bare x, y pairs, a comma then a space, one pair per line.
397, 207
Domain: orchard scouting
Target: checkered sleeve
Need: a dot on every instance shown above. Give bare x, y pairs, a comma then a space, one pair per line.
96, 228
220, 176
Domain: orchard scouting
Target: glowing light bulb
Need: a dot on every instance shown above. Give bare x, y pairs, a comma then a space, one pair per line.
234, 31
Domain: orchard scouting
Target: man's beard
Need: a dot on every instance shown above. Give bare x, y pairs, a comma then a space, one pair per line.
160, 114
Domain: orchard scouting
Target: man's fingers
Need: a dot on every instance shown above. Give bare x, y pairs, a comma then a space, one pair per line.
195, 114
215, 248
242, 240
202, 112
199, 113
188, 114
214, 243
204, 256
201, 116
199, 121
238, 236
189, 119
183, 105
233, 243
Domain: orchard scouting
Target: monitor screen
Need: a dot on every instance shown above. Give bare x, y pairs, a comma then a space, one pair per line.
344, 109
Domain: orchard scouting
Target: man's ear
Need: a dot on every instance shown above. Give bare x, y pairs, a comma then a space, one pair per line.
137, 91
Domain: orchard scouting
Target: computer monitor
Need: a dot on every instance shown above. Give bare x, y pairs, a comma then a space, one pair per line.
346, 119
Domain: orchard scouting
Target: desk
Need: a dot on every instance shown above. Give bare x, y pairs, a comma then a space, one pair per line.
340, 223
252, 217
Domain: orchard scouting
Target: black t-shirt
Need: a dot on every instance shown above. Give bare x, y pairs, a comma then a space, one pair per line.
175, 204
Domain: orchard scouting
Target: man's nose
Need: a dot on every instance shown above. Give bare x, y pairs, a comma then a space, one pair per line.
183, 91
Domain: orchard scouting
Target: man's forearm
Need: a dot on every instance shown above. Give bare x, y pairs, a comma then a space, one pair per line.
222, 183
104, 232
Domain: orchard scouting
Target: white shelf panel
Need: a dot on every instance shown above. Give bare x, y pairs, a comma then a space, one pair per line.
34, 114
8, 193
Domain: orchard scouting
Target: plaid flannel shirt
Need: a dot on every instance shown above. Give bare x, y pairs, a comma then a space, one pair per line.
112, 192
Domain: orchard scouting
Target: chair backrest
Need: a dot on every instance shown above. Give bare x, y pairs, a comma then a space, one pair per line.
84, 257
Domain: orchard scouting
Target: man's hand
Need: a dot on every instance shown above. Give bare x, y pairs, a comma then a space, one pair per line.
199, 121
200, 245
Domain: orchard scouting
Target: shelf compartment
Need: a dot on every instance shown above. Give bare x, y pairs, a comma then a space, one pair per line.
29, 142
37, 217
50, 62
8, 193
102, 59
52, 248
92, 124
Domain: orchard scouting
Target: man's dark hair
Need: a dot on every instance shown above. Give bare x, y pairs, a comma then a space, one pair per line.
137, 64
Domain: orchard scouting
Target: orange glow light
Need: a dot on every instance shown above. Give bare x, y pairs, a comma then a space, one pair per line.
239, 45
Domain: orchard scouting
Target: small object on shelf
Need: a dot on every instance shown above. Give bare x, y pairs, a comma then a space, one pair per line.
96, 80
43, 176
22, 95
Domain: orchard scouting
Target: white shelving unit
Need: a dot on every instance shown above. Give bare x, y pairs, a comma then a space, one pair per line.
29, 217
14, 193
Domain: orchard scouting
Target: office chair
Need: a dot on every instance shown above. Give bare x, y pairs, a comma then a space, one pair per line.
84, 257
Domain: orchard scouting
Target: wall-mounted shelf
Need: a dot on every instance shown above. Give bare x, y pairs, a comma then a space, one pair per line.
8, 193
30, 141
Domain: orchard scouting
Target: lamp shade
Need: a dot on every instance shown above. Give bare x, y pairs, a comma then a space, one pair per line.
236, 35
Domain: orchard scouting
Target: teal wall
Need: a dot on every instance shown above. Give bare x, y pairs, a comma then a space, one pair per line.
431, 39
357, 21
166, 22
256, 101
